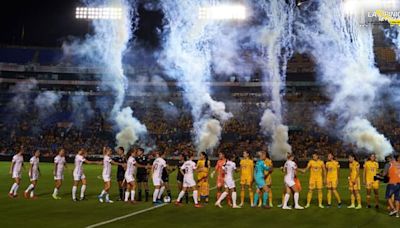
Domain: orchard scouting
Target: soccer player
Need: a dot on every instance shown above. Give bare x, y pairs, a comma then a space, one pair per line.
142, 174
220, 173
229, 169
189, 183
179, 176
17, 164
121, 171
157, 169
246, 177
268, 177
58, 172
354, 182
290, 169
165, 178
332, 179
203, 165
106, 174
259, 177
392, 171
317, 173
34, 172
79, 176
371, 167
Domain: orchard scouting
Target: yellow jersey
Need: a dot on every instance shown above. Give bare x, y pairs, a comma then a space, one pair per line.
332, 169
354, 166
316, 168
371, 169
268, 162
202, 169
247, 167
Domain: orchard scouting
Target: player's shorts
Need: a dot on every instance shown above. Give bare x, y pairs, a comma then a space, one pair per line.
260, 182
355, 187
129, 178
188, 182
79, 176
59, 176
289, 182
220, 181
331, 183
230, 184
372, 185
16, 175
120, 176
165, 178
157, 181
246, 180
33, 176
315, 184
393, 190
142, 177
106, 178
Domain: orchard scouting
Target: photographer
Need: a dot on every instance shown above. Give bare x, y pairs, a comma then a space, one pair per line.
392, 172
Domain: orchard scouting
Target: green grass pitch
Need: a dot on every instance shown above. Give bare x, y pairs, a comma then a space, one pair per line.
46, 212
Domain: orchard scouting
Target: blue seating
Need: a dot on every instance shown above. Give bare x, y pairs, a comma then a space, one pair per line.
16, 55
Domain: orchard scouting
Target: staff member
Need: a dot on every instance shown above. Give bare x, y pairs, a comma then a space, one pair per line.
392, 171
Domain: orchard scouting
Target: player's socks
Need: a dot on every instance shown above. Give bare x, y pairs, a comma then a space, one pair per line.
30, 187
55, 192
255, 202
32, 193
352, 199
270, 198
187, 197
83, 189
132, 195
155, 194
16, 189
107, 197
140, 195
12, 188
180, 196
126, 196
121, 194
102, 193
368, 201
309, 198
329, 197
265, 198
241, 197
320, 198
234, 198
146, 195
74, 188
161, 192
285, 200
251, 195
218, 195
358, 199
296, 200
195, 197
337, 196
222, 197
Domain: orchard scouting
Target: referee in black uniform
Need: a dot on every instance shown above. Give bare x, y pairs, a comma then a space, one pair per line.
121, 171
142, 174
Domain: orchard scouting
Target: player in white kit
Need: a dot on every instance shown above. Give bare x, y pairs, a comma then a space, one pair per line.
290, 169
107, 166
34, 172
58, 172
131, 166
229, 169
17, 164
158, 165
189, 183
79, 176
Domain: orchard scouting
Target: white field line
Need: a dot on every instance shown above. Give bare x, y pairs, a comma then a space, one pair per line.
133, 213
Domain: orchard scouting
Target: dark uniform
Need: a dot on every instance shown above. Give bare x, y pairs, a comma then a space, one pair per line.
179, 176
120, 174
142, 176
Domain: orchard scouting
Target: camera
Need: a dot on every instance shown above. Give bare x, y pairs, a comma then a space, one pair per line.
379, 177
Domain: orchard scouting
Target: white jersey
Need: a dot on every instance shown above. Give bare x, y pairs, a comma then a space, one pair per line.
78, 170
60, 163
18, 161
130, 166
158, 165
229, 169
290, 167
188, 167
107, 166
34, 172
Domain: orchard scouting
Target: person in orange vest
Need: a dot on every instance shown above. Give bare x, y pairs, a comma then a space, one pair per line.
392, 171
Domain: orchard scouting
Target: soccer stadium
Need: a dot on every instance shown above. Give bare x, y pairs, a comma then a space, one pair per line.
196, 113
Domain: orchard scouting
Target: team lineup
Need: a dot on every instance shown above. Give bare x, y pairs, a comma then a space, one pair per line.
134, 169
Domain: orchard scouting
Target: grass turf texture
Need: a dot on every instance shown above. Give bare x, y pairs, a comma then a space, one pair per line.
45, 211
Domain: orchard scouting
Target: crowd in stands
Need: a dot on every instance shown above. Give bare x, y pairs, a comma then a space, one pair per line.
170, 129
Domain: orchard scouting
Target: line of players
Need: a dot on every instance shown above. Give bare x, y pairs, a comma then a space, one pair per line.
259, 173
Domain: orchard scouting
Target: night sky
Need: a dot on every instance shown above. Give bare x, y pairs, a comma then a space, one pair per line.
48, 22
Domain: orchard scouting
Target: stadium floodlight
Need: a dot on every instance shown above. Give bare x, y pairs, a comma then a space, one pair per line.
357, 6
223, 12
98, 13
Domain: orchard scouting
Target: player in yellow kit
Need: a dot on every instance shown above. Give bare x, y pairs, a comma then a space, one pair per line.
203, 168
317, 174
371, 167
246, 177
332, 178
268, 178
354, 182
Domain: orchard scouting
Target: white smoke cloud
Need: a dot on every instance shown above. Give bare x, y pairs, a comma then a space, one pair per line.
210, 134
131, 128
47, 99
22, 99
343, 52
